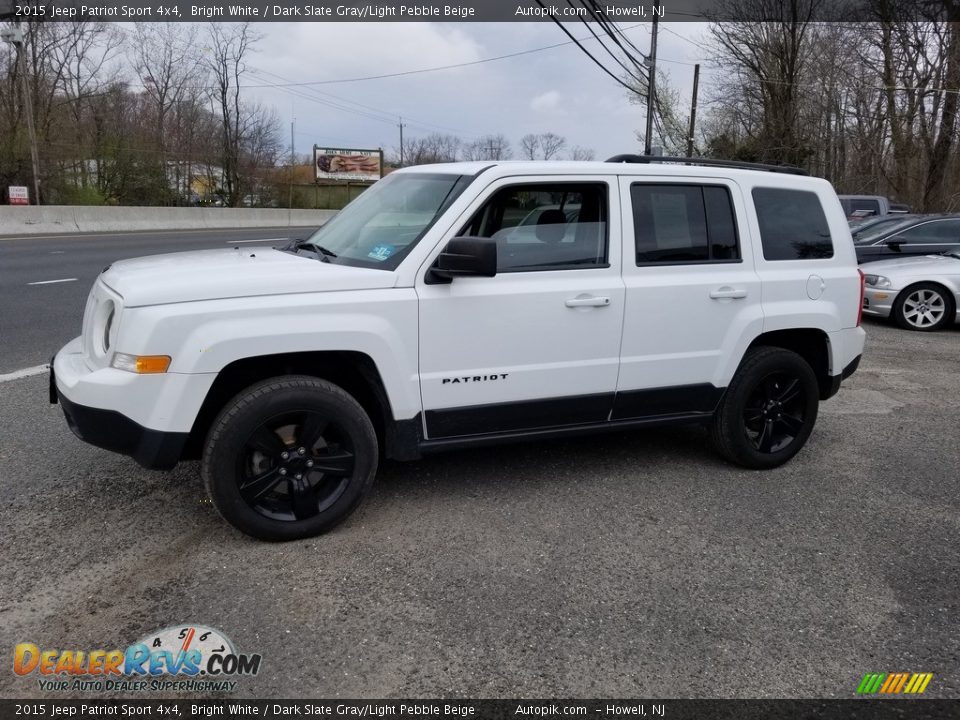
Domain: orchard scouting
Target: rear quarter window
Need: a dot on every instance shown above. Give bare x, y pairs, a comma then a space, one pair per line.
792, 225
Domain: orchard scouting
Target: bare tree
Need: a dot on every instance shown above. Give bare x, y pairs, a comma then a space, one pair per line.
488, 147
433, 148
165, 57
230, 44
551, 145
542, 146
669, 125
582, 153
529, 145
763, 66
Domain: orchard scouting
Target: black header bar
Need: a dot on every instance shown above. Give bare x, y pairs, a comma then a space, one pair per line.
93, 707
424, 10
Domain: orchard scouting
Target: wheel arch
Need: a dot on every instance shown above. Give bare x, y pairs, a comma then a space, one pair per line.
354, 371
812, 344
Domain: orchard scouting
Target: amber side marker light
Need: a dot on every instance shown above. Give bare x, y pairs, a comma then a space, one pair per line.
141, 364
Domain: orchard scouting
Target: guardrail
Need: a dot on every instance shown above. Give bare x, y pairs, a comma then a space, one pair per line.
54, 219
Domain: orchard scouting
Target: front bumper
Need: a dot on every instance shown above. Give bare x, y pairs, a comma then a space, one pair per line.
110, 430
878, 302
147, 417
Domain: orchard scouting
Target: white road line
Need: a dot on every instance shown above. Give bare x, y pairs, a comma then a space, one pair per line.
50, 282
261, 240
26, 372
58, 252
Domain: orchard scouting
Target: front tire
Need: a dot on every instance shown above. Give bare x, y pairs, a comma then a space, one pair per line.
769, 410
925, 307
289, 458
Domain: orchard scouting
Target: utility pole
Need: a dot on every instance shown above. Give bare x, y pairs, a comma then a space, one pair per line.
651, 63
401, 141
293, 160
693, 109
16, 38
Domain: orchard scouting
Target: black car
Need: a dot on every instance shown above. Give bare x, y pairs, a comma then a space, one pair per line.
871, 225
916, 235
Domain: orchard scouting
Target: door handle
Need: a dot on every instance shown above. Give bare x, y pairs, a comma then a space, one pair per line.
728, 292
589, 301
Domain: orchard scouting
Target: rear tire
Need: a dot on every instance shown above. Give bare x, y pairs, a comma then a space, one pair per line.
925, 307
769, 410
289, 458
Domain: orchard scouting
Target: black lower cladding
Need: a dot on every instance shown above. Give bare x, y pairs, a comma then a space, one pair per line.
508, 417
577, 410
654, 402
833, 385
110, 430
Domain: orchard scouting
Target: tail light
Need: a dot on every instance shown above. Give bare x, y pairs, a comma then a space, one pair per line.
860, 305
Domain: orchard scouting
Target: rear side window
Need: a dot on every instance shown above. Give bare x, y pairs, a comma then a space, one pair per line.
683, 224
792, 225
863, 205
933, 232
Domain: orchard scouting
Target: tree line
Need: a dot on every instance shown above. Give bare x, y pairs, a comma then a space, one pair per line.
134, 117
870, 105
156, 115
440, 147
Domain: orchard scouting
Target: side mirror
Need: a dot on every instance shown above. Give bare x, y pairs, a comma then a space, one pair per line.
466, 257
894, 245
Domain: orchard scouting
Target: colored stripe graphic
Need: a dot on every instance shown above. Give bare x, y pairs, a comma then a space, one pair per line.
894, 683
889, 682
870, 683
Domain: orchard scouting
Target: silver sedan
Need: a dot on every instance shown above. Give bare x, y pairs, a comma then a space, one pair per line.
920, 293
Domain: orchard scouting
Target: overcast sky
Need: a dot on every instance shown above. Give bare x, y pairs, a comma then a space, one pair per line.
558, 90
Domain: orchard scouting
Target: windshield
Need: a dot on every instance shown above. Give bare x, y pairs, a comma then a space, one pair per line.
380, 227
874, 232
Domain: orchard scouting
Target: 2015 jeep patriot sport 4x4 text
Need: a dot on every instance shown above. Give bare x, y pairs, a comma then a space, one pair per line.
469, 303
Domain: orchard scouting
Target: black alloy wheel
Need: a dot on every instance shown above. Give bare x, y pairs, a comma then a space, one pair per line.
289, 457
774, 414
768, 411
294, 466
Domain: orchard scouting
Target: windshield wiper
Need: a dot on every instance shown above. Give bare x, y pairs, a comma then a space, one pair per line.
319, 250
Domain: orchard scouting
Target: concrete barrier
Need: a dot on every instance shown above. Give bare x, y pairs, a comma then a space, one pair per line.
56, 219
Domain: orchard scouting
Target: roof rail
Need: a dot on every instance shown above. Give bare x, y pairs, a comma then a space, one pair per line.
708, 162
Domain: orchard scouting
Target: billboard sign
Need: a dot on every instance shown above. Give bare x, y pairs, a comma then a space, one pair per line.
18, 195
341, 164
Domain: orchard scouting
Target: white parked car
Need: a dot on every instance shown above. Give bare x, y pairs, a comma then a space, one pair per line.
919, 293
415, 321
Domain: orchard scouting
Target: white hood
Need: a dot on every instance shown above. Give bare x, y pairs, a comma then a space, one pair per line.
215, 274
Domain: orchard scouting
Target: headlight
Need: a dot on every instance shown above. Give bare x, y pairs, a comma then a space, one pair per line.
877, 281
140, 364
101, 326
108, 326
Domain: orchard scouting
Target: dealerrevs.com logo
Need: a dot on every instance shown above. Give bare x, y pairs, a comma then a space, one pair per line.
181, 658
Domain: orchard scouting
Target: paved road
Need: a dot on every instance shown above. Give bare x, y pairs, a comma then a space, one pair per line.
625, 565
36, 320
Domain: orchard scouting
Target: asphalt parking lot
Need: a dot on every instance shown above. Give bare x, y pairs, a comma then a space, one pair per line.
625, 565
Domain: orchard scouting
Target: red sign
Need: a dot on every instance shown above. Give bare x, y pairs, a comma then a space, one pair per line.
18, 194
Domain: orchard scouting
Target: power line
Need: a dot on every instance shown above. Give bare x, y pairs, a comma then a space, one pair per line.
436, 68
583, 49
386, 113
610, 52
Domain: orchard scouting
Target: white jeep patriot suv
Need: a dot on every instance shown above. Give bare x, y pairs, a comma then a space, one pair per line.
470, 303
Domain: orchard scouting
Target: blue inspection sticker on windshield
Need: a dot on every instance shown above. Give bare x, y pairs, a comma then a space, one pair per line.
381, 252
